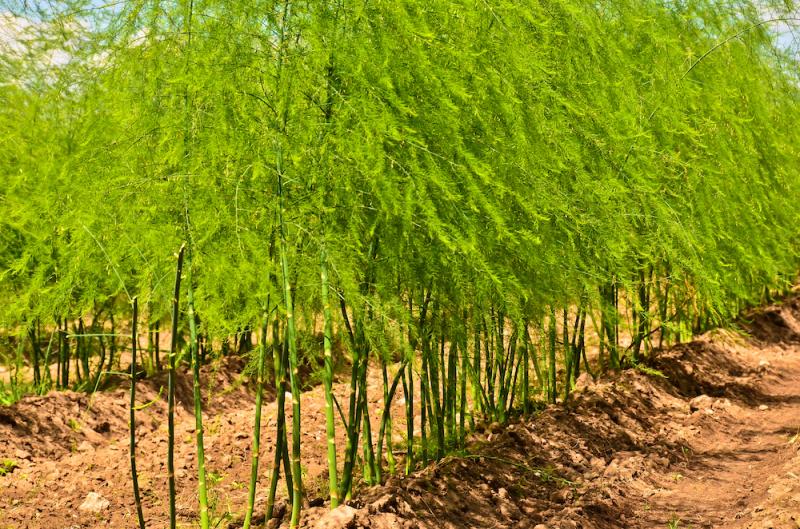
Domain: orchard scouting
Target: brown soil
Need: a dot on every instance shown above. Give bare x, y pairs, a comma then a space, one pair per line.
712, 445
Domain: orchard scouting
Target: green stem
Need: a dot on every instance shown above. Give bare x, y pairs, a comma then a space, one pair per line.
262, 359
328, 383
552, 366
134, 476
202, 490
291, 339
171, 390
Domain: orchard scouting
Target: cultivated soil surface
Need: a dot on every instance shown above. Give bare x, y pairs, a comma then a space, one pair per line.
713, 443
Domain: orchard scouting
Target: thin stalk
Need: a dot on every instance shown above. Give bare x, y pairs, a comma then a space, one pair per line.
552, 366
48, 376
171, 389
370, 474
251, 491
353, 418
525, 372
387, 412
158, 344
477, 387
408, 391
409, 466
36, 354
134, 476
59, 353
330, 426
463, 389
297, 496
112, 347
389, 448
65, 362
202, 490
279, 361
450, 400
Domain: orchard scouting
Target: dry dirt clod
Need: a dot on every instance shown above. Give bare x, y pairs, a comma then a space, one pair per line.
561, 496
510, 511
94, 503
383, 504
700, 403
342, 517
21, 454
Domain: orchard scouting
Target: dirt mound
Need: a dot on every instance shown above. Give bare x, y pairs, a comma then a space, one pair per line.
572, 467
709, 440
775, 323
52, 425
633, 451
567, 467
711, 366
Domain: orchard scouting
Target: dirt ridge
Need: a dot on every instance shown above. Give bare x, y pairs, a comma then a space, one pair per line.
711, 444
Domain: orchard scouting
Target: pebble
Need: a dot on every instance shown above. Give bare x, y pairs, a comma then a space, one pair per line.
702, 402
94, 503
341, 517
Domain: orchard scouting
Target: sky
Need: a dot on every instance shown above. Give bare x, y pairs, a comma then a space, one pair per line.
18, 32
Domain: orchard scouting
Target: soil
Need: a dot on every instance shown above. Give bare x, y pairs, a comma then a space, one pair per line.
706, 437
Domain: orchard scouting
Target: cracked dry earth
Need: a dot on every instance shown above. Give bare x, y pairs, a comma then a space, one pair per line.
711, 444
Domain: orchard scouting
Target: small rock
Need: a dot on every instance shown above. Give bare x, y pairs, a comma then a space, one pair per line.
597, 463
510, 511
721, 404
763, 407
342, 517
21, 454
540, 526
94, 503
85, 446
561, 496
702, 402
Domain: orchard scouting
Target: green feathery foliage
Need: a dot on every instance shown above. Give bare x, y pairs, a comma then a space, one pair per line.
461, 190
